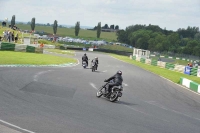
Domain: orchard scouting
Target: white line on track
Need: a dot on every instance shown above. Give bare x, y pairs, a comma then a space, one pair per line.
14, 126
93, 85
36, 76
104, 71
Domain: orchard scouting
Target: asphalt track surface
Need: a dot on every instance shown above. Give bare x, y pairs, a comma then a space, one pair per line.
63, 100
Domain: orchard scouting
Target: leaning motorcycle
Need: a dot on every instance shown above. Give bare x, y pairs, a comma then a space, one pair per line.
113, 95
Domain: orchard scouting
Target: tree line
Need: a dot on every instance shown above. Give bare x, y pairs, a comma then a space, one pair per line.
55, 26
154, 38
113, 27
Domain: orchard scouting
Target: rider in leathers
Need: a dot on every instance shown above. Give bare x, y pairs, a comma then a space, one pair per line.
85, 58
117, 78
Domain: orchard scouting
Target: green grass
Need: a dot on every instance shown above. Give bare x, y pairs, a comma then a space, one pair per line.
181, 62
86, 34
176, 61
171, 75
117, 47
48, 42
72, 44
67, 52
8, 57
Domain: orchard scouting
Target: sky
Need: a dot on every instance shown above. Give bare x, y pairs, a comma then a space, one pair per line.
169, 14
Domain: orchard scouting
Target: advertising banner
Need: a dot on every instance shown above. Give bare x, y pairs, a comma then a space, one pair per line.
198, 73
187, 70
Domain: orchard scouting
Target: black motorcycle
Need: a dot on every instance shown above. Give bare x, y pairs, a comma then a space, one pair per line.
113, 95
94, 66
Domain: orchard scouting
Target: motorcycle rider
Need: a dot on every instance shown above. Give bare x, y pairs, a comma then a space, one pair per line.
85, 58
96, 61
117, 78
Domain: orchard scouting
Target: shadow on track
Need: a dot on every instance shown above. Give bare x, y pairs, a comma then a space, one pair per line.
125, 103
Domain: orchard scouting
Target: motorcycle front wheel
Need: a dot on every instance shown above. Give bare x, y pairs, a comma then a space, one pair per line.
99, 94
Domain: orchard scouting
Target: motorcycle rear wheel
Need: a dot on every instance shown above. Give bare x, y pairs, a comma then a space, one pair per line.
114, 97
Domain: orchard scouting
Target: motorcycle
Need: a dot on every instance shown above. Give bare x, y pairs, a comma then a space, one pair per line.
84, 64
113, 95
94, 67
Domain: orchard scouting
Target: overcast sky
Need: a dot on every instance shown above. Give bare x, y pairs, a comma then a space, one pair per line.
172, 14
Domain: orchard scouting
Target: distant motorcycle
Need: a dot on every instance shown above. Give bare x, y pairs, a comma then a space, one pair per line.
94, 66
84, 64
113, 95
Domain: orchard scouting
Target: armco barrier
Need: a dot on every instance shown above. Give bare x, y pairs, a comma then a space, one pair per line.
193, 71
142, 60
30, 49
169, 66
99, 50
190, 84
159, 63
163, 64
20, 47
134, 57
198, 72
148, 61
114, 51
38, 50
179, 68
7, 46
137, 58
154, 62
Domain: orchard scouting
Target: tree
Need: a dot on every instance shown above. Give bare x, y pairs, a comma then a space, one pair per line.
55, 25
190, 46
99, 30
33, 24
197, 36
13, 21
77, 28
121, 36
116, 27
106, 26
112, 26
196, 50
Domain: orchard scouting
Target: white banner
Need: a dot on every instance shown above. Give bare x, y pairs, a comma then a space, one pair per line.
198, 73
90, 49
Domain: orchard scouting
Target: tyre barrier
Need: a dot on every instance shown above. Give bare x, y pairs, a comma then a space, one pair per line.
169, 66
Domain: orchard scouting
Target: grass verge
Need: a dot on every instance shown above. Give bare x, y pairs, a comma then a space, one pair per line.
8, 58
171, 75
117, 47
86, 34
176, 61
67, 52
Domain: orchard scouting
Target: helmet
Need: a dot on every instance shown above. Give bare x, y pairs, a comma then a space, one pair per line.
119, 72
85, 54
96, 57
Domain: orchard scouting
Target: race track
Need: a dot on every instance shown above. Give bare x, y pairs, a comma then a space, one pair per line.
63, 100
